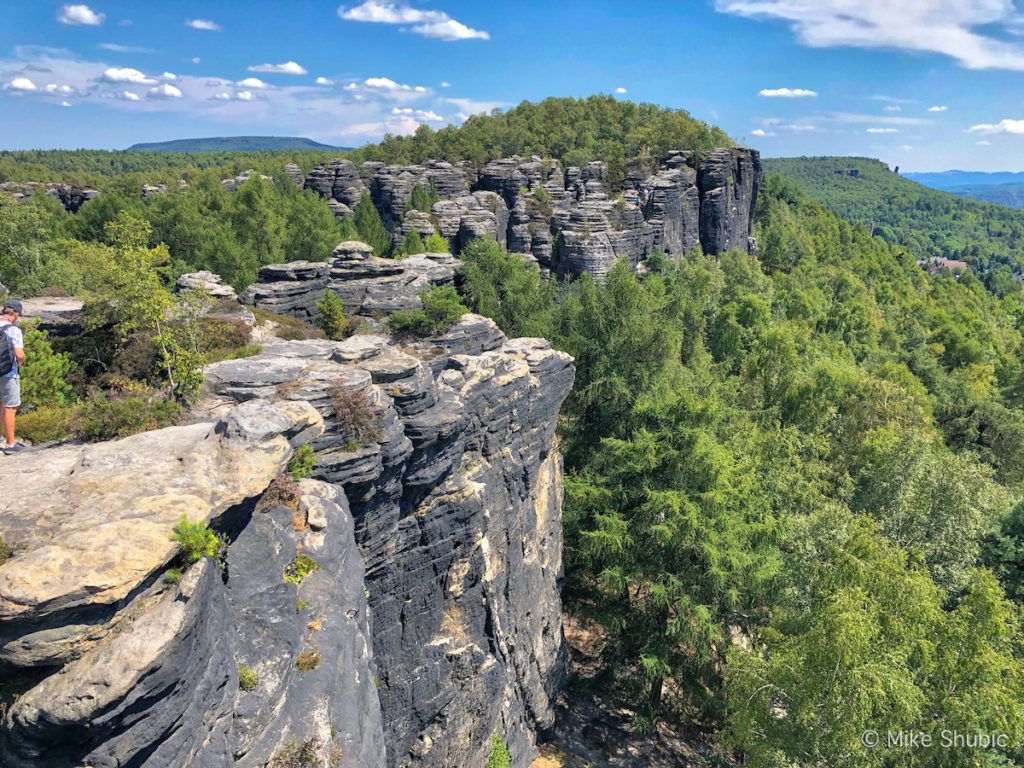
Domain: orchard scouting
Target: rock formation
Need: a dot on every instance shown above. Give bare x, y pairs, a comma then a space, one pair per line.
572, 221
71, 196
428, 617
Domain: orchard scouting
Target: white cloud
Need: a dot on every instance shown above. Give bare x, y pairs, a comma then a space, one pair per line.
852, 118
196, 60
168, 76
445, 84
893, 108
22, 84
937, 109
245, 95
165, 91
947, 27
204, 24
428, 23
386, 84
883, 130
420, 114
1014, 127
288, 68
129, 96
252, 82
222, 96
126, 75
118, 48
76, 15
787, 93
324, 81
65, 104
469, 107
907, 147
620, 90
761, 133
984, 143
54, 88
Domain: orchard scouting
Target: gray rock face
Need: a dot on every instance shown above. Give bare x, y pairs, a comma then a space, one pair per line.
461, 542
207, 281
729, 181
71, 196
572, 222
58, 316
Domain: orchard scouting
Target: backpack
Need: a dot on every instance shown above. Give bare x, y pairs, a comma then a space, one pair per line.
6, 352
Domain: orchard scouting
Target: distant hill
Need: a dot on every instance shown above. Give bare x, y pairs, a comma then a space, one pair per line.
1002, 194
928, 222
950, 180
234, 144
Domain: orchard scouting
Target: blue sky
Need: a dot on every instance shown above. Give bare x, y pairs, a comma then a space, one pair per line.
925, 84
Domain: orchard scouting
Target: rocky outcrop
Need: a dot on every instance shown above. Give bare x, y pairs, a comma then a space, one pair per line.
207, 281
71, 196
57, 315
572, 221
367, 285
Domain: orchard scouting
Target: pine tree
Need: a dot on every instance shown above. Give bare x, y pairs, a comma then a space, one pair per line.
370, 227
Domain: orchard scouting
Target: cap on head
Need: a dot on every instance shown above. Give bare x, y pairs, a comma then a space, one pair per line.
12, 306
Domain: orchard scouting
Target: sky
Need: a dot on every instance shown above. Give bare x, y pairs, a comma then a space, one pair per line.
924, 84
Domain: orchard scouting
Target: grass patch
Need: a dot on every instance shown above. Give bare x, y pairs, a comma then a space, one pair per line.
296, 755
173, 575
288, 328
308, 660
302, 463
247, 678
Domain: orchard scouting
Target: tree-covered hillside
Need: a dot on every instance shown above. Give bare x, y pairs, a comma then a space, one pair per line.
925, 221
236, 144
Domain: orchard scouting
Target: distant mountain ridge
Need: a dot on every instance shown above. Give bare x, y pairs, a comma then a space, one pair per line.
234, 144
950, 180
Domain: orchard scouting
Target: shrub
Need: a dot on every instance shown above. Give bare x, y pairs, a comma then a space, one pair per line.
500, 757
249, 350
332, 320
107, 417
300, 568
371, 229
295, 755
308, 660
247, 678
358, 420
45, 373
195, 540
436, 243
412, 244
50, 423
173, 575
442, 307
302, 462
423, 198
286, 327
6, 552
282, 492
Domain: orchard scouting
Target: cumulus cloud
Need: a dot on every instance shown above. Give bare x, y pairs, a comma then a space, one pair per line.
165, 91
984, 143
252, 82
245, 95
426, 115
385, 84
65, 103
893, 108
948, 27
79, 15
324, 81
428, 23
288, 68
445, 84
937, 109
1014, 127
761, 133
204, 24
196, 60
21, 84
126, 75
883, 130
129, 96
787, 93
54, 88
620, 90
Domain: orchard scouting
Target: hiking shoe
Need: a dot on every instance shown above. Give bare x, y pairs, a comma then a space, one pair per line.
16, 448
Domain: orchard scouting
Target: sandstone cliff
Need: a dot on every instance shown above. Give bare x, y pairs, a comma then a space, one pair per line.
424, 618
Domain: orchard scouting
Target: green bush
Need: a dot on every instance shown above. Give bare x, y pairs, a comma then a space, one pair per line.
50, 423
436, 243
247, 678
442, 307
499, 757
371, 229
423, 198
288, 328
302, 463
296, 755
173, 575
6, 551
44, 376
357, 419
111, 417
299, 568
412, 244
195, 540
308, 660
332, 319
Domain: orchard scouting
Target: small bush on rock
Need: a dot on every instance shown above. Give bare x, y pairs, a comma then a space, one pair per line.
295, 755
442, 307
110, 417
435, 243
358, 420
500, 757
302, 463
195, 540
332, 319
247, 678
412, 244
300, 568
6, 552
308, 660
282, 492
49, 423
173, 575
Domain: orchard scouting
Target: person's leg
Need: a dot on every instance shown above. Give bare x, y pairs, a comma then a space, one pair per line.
10, 415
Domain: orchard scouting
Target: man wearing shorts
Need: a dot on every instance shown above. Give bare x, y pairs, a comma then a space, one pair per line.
10, 382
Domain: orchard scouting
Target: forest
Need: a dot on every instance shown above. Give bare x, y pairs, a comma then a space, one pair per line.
793, 481
927, 222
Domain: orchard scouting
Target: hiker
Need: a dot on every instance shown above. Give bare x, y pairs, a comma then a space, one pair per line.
12, 357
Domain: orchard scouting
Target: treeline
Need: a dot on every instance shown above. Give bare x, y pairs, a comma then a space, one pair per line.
793, 489
927, 222
574, 130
